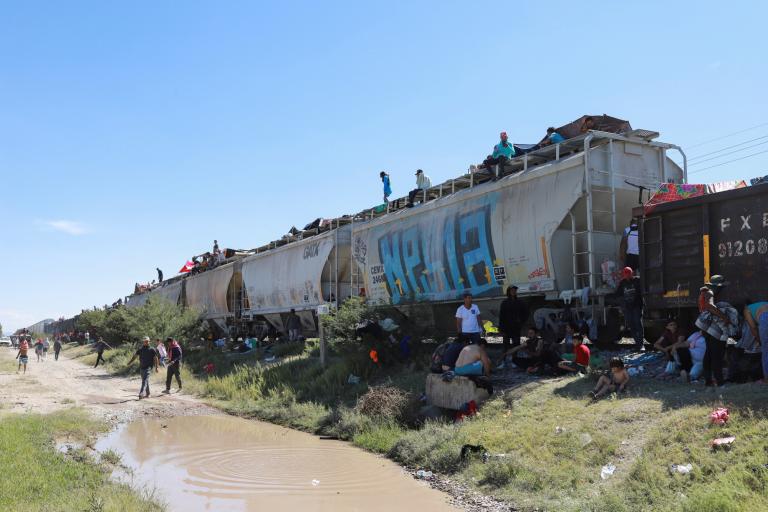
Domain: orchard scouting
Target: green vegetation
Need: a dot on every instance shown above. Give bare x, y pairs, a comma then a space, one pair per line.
37, 477
547, 442
157, 319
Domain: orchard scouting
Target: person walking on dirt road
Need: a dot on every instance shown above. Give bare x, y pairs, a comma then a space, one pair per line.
22, 355
100, 347
56, 349
174, 364
147, 360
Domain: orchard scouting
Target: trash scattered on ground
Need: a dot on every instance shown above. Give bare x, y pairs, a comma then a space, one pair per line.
424, 474
209, 368
719, 416
353, 379
723, 442
607, 471
682, 469
315, 483
270, 359
491, 456
388, 325
559, 430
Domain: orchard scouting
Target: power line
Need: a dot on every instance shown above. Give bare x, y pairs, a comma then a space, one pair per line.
696, 157
726, 136
729, 153
729, 161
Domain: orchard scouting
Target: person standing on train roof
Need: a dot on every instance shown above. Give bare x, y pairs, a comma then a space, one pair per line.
631, 294
468, 322
422, 183
387, 186
629, 248
756, 317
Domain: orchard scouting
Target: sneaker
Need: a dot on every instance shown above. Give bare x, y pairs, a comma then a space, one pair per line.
140, 397
166, 391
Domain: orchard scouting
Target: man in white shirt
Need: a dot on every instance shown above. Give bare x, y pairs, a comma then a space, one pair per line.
468, 322
422, 183
629, 248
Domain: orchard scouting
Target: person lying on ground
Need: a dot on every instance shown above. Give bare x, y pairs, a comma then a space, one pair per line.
473, 360
580, 364
616, 380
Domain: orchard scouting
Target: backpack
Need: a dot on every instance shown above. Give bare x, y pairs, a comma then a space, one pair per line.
436, 361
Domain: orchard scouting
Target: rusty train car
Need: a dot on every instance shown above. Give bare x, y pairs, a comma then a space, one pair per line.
685, 242
549, 223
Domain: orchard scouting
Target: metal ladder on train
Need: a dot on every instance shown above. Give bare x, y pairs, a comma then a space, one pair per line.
585, 273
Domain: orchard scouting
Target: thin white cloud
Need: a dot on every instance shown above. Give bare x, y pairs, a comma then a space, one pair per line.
67, 226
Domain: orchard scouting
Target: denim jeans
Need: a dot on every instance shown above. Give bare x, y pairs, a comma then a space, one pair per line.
145, 380
762, 330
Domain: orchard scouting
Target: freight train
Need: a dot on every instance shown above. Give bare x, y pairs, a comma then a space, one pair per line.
550, 222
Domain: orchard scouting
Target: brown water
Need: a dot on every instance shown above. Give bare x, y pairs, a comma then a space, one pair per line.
212, 463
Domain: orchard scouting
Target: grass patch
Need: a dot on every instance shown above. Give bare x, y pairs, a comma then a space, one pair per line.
36, 475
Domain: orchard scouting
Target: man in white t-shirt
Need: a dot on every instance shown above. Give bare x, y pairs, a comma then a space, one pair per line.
468, 322
629, 248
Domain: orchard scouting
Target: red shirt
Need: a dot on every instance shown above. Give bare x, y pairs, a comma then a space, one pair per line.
582, 354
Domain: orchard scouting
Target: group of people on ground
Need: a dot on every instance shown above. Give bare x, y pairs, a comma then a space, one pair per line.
153, 357
423, 183
41, 351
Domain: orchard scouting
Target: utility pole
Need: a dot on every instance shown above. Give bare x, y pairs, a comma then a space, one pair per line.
322, 310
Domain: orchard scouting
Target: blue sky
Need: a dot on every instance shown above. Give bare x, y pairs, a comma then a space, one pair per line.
133, 134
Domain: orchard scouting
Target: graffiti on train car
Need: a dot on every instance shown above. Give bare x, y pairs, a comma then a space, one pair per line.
419, 262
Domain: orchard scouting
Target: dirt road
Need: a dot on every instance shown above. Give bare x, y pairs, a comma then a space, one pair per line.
52, 385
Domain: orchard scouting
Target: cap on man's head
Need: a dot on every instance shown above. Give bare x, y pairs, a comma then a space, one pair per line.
382, 174
627, 272
717, 280
145, 338
419, 171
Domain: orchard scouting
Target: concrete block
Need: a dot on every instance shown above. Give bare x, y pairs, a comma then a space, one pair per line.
454, 394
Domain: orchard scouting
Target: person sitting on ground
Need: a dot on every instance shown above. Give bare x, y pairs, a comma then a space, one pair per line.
387, 186
547, 354
580, 364
524, 355
697, 347
451, 354
552, 137
756, 317
674, 345
473, 360
567, 344
616, 380
502, 153
422, 183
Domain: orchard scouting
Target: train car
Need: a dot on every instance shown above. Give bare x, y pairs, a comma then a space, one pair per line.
685, 242
552, 230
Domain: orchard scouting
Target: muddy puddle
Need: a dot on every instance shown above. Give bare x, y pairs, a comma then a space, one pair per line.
212, 463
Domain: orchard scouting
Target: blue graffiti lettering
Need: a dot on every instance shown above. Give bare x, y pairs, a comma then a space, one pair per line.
389, 252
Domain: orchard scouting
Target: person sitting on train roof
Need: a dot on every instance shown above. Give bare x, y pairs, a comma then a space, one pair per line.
587, 125
422, 183
502, 152
552, 137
